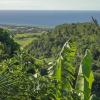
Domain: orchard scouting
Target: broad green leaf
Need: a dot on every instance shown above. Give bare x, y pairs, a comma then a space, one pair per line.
85, 76
58, 71
80, 82
64, 70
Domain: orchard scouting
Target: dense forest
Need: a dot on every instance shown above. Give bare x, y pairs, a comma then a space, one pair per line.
62, 63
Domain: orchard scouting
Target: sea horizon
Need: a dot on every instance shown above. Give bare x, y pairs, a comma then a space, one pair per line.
46, 17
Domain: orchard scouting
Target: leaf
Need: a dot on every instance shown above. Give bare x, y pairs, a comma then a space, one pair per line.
90, 79
58, 71
80, 82
64, 70
85, 76
86, 63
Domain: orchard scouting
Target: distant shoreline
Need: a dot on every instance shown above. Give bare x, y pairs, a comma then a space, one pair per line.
26, 25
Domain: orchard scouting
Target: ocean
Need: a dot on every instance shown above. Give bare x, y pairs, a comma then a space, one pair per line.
48, 18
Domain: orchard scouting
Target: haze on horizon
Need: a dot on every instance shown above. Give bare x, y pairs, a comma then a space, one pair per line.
49, 4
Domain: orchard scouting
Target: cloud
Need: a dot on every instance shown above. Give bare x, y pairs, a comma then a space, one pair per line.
49, 4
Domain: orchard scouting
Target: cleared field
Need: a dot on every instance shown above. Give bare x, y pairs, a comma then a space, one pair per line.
25, 38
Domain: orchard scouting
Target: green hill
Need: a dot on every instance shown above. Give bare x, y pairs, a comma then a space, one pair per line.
49, 67
86, 35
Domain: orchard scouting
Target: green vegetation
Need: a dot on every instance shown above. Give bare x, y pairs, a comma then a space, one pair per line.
85, 77
26, 38
7, 45
62, 64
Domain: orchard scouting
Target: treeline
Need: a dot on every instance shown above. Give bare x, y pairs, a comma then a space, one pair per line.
85, 34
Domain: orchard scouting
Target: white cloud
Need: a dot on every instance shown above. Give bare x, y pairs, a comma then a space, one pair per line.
16, 4
49, 4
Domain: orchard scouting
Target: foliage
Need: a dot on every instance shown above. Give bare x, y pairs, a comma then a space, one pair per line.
21, 77
64, 71
87, 36
8, 45
85, 77
16, 81
26, 38
48, 70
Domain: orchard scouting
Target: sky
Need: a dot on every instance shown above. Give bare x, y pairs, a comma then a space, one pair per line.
49, 4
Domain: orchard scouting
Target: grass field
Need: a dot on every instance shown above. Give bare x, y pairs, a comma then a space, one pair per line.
25, 38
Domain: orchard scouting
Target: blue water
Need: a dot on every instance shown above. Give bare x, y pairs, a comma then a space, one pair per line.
48, 18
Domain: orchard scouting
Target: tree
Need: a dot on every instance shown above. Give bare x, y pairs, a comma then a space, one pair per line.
8, 45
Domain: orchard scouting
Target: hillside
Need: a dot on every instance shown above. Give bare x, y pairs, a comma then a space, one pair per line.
49, 65
86, 35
